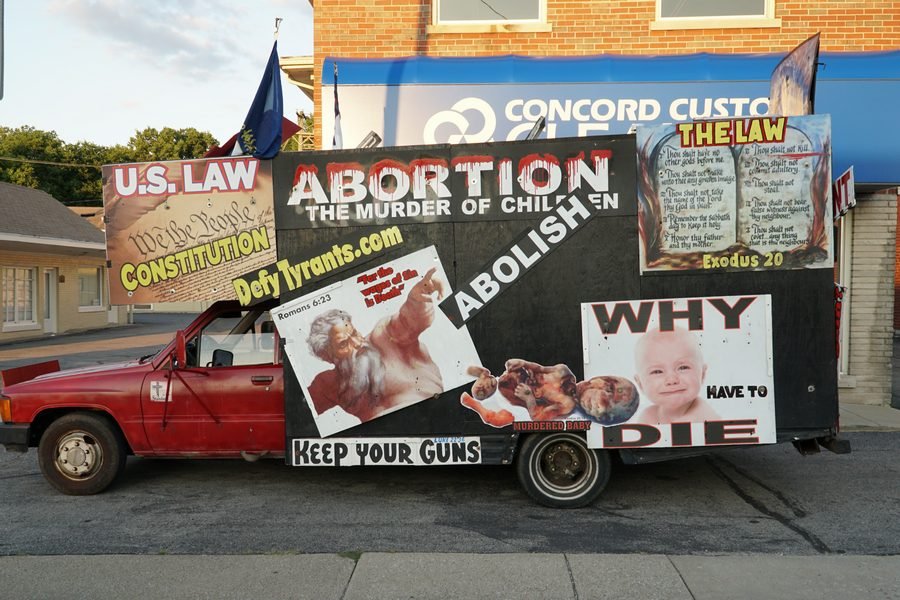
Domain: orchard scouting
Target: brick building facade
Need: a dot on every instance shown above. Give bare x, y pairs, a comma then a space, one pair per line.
392, 28
378, 29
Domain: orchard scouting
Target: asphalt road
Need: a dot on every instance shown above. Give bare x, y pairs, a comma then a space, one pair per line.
761, 500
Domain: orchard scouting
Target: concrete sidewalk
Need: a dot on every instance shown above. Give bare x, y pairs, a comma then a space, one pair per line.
353, 576
457, 576
864, 417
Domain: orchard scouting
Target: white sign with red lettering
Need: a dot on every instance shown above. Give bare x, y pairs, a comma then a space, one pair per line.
844, 194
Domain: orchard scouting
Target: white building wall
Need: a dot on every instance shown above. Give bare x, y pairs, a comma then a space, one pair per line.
70, 317
870, 301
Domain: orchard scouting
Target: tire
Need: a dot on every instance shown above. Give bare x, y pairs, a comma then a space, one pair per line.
81, 453
559, 470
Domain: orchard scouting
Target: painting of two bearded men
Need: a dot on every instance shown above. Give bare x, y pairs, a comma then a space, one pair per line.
375, 343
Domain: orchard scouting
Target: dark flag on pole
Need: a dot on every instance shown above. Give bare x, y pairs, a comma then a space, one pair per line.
260, 134
792, 88
337, 142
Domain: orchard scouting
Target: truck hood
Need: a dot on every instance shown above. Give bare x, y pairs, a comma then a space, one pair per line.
85, 370
63, 378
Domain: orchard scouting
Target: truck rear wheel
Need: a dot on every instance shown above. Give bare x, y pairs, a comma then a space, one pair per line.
559, 470
81, 453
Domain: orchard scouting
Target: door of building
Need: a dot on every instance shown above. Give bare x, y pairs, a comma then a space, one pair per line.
49, 305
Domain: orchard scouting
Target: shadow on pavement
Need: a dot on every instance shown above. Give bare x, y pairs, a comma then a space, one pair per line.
895, 383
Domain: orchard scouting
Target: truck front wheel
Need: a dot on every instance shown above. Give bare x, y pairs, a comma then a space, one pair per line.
81, 453
559, 470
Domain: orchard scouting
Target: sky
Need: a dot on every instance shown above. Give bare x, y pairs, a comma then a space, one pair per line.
99, 70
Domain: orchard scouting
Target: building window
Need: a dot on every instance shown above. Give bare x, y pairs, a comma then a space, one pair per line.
709, 14
449, 12
484, 16
19, 296
90, 287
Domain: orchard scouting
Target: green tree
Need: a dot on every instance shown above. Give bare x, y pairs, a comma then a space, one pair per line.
118, 154
84, 182
303, 139
74, 175
151, 144
306, 122
22, 145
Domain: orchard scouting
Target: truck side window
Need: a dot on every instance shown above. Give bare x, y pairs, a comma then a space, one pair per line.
242, 338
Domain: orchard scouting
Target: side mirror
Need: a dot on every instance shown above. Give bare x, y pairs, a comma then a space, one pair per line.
222, 358
180, 350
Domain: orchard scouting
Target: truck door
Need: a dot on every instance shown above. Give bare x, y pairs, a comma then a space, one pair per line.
228, 398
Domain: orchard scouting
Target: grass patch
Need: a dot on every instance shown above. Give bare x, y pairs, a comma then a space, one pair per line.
353, 555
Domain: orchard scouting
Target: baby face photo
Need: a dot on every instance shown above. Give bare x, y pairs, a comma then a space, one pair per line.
692, 360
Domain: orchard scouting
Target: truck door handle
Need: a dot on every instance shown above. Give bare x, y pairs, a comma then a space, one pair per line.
261, 379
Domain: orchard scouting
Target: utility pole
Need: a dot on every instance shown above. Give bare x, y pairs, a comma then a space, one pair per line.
1, 50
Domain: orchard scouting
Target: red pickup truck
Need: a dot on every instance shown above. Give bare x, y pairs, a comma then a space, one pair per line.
227, 377
217, 391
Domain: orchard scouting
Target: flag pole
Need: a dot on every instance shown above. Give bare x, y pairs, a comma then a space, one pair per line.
337, 141
278, 21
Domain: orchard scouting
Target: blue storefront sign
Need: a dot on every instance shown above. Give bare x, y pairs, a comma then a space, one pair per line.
424, 100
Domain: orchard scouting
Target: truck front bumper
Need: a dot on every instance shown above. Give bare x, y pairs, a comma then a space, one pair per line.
14, 437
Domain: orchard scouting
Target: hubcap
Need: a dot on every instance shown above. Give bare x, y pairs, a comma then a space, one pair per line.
78, 455
564, 465
562, 461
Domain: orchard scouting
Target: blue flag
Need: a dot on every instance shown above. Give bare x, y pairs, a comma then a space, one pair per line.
260, 135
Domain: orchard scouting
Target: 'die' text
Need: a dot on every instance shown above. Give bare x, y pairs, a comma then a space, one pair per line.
712, 433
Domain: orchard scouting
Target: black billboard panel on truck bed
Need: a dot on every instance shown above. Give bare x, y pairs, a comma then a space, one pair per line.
681, 298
